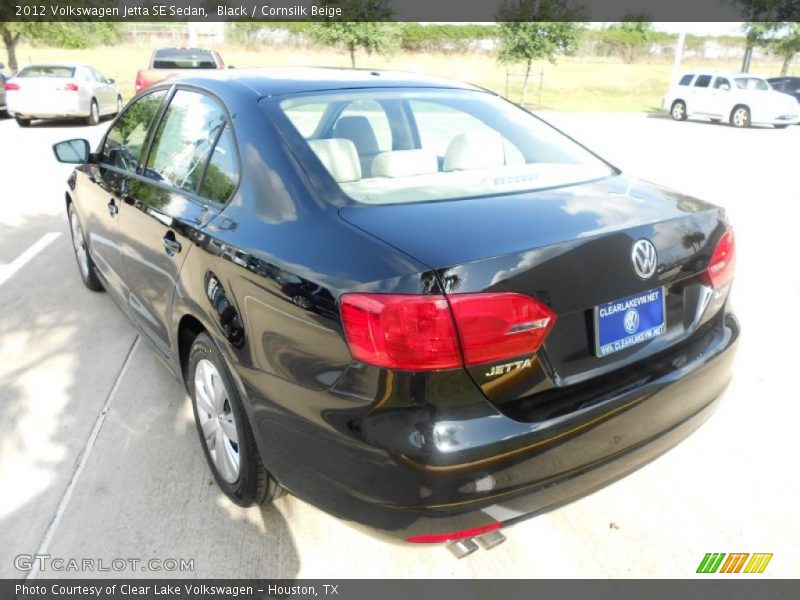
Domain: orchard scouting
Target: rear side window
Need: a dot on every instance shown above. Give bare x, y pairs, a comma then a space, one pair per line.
125, 140
47, 71
686, 80
184, 140
702, 81
222, 174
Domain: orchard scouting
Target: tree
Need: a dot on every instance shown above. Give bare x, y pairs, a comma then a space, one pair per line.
362, 25
629, 36
788, 45
534, 30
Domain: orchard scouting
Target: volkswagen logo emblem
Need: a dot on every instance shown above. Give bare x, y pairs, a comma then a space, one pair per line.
644, 258
631, 321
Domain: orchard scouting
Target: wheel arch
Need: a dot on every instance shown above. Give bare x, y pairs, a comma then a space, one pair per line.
189, 327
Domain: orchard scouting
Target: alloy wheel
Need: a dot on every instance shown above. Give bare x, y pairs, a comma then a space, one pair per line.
80, 245
217, 420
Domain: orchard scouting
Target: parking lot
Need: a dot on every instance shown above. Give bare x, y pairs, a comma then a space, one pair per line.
99, 458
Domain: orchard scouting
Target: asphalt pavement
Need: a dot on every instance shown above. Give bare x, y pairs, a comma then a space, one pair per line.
100, 461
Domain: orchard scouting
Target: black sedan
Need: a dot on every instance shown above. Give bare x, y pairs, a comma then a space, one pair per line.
403, 299
787, 85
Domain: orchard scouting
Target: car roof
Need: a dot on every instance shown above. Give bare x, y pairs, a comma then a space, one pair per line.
55, 64
277, 81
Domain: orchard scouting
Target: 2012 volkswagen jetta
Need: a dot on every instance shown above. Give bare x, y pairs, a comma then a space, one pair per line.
406, 300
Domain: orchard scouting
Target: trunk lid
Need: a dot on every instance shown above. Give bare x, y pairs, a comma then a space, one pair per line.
570, 248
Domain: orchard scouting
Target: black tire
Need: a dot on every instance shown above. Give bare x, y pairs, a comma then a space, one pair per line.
678, 110
740, 117
254, 484
22, 122
87, 272
94, 113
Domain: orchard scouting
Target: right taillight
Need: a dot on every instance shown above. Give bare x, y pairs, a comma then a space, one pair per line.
12, 87
434, 332
139, 83
723, 261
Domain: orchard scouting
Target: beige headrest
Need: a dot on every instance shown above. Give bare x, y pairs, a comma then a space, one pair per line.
479, 149
404, 163
340, 158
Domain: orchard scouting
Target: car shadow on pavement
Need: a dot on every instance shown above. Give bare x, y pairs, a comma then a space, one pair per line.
71, 365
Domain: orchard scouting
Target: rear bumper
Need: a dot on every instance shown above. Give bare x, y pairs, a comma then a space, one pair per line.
512, 469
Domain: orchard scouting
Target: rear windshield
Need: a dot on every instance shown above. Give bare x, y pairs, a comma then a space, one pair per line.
183, 58
751, 83
46, 71
394, 146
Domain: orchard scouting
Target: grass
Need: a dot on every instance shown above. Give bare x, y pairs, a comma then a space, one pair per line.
574, 84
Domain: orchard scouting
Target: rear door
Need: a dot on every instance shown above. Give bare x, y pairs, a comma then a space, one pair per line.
183, 184
103, 184
104, 92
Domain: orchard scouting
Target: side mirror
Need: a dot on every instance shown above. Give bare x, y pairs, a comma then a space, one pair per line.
725, 87
73, 152
231, 67
109, 80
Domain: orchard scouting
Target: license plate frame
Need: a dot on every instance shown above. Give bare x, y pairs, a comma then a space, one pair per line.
606, 344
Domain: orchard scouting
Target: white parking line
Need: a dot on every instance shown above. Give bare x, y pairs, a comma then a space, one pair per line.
87, 450
7, 271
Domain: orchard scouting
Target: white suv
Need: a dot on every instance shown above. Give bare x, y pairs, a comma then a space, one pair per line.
739, 98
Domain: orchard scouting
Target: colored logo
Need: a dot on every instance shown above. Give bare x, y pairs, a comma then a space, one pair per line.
737, 562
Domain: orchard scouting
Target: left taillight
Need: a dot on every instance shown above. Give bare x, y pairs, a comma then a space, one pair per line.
12, 87
422, 333
723, 261
71, 87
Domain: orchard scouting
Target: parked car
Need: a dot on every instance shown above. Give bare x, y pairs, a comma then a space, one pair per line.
787, 85
168, 63
492, 319
738, 98
3, 107
57, 91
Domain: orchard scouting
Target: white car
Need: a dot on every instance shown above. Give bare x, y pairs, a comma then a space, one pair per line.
55, 91
738, 98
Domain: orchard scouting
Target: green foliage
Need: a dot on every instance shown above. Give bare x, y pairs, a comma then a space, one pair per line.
365, 28
628, 37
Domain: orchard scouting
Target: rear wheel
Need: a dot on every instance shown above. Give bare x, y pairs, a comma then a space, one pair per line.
94, 113
85, 262
225, 432
740, 117
678, 110
22, 122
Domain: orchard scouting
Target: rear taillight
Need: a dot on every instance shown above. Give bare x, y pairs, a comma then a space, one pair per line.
421, 333
496, 326
70, 87
401, 332
139, 83
12, 87
723, 261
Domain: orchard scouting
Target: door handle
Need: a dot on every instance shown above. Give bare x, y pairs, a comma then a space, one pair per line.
171, 245
112, 208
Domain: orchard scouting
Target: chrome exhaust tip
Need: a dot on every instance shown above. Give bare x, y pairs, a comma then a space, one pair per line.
462, 548
491, 539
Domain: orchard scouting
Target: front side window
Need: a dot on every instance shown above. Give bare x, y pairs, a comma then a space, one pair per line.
185, 139
703, 81
722, 84
126, 139
445, 144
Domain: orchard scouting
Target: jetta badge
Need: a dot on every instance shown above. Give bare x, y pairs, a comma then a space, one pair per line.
644, 258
